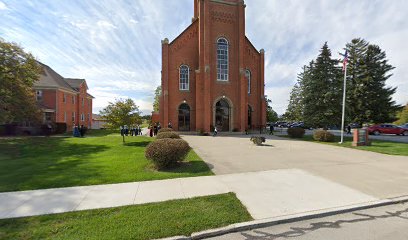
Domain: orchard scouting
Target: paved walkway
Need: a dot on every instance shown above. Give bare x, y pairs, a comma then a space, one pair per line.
266, 194
375, 174
284, 177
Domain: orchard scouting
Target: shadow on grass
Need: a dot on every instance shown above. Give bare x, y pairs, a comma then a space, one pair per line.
35, 163
137, 144
189, 167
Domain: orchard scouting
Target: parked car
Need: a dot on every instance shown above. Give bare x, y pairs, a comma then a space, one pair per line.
404, 125
387, 129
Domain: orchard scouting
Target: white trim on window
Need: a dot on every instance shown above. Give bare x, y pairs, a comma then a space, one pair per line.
184, 78
222, 59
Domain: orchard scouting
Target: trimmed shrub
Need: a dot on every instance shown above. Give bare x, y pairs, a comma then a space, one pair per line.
323, 136
258, 140
167, 135
167, 152
165, 130
296, 132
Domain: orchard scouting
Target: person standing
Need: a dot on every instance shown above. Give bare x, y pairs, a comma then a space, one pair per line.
169, 125
271, 128
348, 129
215, 132
155, 129
151, 131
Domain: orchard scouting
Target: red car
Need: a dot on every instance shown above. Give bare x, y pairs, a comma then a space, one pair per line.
387, 129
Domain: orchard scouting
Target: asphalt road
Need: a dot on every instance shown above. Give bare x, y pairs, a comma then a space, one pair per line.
384, 137
389, 222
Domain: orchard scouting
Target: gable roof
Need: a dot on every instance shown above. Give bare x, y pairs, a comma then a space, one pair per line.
51, 79
75, 82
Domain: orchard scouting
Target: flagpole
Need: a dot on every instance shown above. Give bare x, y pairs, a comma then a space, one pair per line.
344, 105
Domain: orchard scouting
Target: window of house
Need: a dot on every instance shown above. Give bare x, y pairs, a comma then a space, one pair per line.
222, 59
48, 116
73, 117
73, 99
82, 117
184, 77
39, 95
64, 98
65, 117
248, 76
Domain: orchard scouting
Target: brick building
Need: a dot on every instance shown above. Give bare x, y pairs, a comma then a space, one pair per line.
63, 100
212, 75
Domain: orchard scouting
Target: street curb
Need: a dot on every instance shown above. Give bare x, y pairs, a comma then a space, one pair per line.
267, 222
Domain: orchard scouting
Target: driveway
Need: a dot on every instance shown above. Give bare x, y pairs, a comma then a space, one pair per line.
378, 175
383, 137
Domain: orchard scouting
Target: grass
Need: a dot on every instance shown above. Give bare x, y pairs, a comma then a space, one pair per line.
379, 146
100, 158
147, 221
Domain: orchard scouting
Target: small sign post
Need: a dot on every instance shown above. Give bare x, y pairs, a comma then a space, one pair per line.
360, 138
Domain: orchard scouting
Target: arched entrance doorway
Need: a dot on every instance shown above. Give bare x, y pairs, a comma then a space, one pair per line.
222, 115
184, 117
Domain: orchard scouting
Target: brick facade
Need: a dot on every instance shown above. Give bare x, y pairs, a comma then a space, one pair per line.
61, 99
210, 100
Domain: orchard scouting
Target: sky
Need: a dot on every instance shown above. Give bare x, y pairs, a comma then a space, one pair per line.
116, 44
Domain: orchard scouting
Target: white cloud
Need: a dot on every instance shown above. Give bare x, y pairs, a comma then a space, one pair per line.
3, 6
115, 45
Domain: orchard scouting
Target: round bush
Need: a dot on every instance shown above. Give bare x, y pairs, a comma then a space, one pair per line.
258, 140
167, 152
323, 136
296, 132
167, 135
165, 130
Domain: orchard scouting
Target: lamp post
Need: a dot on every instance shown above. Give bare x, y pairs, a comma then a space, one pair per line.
344, 98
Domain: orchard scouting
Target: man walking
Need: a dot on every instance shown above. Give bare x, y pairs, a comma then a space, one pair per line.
271, 128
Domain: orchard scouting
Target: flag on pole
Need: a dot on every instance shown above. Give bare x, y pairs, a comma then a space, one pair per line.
345, 60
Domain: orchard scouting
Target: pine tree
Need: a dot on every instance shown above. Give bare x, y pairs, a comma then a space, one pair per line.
369, 100
295, 107
322, 91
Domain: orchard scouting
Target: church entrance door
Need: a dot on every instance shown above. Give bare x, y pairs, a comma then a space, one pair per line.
222, 115
184, 117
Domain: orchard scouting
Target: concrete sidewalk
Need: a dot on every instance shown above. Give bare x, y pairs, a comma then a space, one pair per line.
266, 194
375, 174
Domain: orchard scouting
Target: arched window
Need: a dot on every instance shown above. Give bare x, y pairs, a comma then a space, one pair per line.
248, 76
222, 59
184, 77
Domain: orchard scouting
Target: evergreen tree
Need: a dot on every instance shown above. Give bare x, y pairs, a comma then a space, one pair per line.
369, 100
295, 107
322, 91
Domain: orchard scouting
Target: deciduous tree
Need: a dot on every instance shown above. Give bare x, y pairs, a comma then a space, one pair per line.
18, 72
121, 112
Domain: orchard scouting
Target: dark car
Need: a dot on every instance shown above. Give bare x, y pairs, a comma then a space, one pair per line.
387, 129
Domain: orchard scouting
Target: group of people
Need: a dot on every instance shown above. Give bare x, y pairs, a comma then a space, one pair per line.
154, 128
134, 130
79, 131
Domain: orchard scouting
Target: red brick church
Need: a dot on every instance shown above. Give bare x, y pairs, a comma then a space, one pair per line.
212, 75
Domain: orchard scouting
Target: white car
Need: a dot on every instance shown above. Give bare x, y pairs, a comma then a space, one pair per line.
404, 125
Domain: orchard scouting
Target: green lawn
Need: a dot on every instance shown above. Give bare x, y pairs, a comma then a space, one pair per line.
147, 221
99, 158
386, 147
